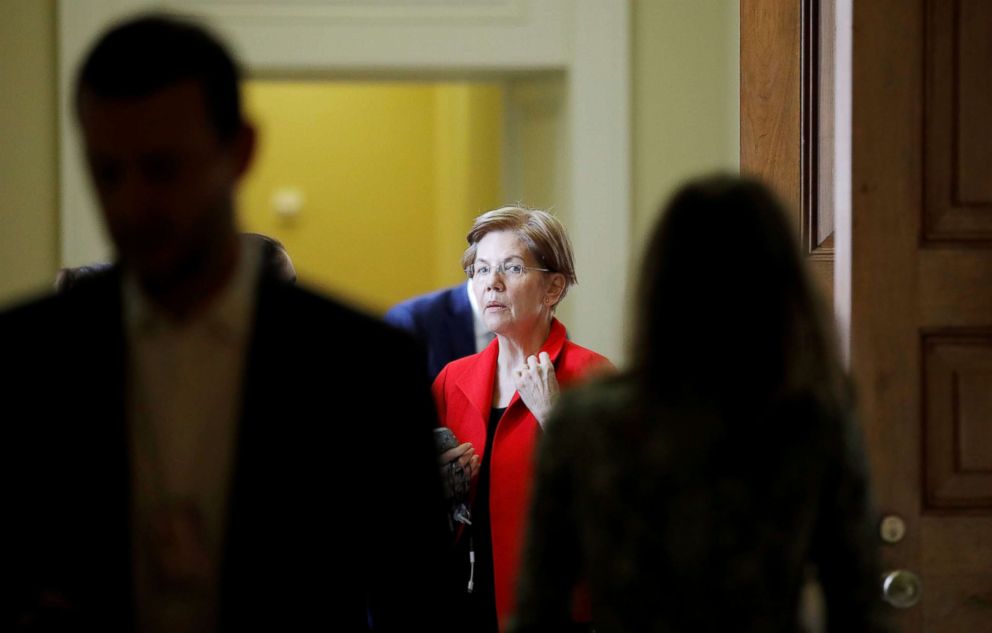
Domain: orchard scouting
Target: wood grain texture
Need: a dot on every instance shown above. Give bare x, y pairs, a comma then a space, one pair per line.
780, 132
921, 314
771, 95
886, 199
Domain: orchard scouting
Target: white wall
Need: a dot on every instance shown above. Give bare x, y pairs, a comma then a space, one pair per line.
686, 101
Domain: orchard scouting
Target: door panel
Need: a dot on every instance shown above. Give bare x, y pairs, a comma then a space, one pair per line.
958, 129
957, 448
921, 322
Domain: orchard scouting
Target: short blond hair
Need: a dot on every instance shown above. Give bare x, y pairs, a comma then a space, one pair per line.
543, 233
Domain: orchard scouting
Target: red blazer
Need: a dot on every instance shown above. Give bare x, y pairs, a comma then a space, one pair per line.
464, 394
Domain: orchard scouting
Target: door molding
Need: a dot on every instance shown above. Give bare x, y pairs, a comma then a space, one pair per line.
785, 97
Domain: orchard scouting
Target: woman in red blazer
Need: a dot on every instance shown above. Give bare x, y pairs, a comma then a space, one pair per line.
496, 401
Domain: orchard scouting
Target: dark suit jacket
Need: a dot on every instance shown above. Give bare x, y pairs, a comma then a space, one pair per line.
443, 322
332, 514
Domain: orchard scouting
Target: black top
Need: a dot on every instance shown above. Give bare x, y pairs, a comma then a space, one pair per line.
476, 610
685, 518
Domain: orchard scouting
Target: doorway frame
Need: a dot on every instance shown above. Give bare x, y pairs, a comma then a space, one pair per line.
586, 40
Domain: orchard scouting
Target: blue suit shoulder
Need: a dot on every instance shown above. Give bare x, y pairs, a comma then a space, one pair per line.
417, 313
442, 321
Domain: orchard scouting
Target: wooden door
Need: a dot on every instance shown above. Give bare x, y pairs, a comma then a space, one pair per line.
779, 117
921, 315
921, 322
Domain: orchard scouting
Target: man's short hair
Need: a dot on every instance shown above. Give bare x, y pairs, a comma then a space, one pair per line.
141, 56
275, 257
68, 278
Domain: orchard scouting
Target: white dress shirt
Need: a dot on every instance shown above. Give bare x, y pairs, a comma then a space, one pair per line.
184, 383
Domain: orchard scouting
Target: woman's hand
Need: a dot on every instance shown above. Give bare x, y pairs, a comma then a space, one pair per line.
465, 455
537, 385
458, 466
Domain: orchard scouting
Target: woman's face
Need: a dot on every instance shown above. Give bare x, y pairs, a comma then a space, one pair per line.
512, 305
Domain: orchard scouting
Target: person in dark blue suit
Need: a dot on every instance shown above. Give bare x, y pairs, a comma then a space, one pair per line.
446, 323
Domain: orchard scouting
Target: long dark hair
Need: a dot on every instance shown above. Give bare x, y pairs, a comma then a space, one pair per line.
728, 316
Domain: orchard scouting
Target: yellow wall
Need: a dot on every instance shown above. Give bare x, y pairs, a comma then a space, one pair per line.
469, 136
28, 158
391, 175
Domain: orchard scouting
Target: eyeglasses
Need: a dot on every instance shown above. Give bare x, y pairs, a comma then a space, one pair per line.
509, 270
